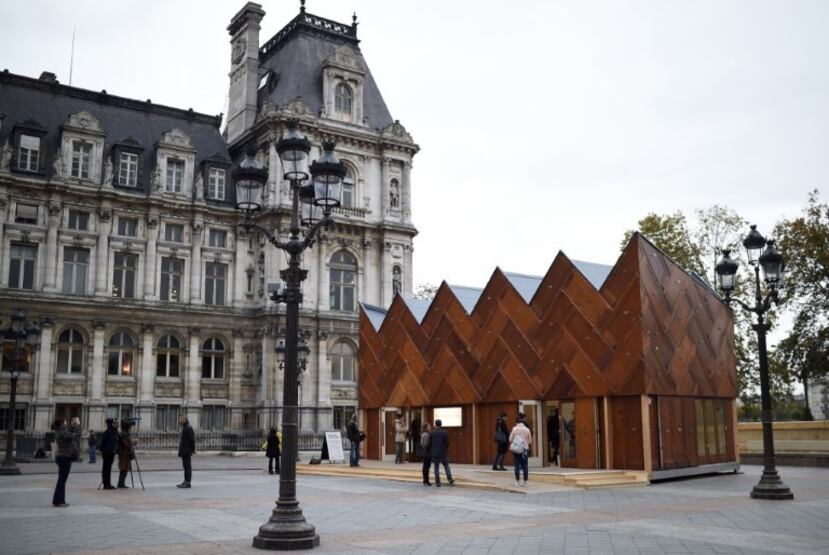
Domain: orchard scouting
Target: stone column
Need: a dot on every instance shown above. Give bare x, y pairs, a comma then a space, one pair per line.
102, 251
385, 207
146, 378
406, 193
237, 368
51, 260
240, 266
195, 264
150, 259
43, 380
272, 189
264, 395
193, 381
323, 378
385, 275
4, 207
323, 294
97, 377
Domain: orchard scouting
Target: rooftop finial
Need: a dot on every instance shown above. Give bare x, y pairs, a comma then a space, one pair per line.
301, 6
354, 20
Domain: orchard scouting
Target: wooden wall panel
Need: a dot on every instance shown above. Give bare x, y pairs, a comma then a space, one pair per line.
586, 455
627, 433
372, 431
487, 416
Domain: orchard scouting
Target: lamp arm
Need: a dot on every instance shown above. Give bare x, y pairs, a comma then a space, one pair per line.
313, 231
269, 235
745, 306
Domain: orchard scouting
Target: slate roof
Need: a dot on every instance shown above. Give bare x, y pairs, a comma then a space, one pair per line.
49, 104
296, 55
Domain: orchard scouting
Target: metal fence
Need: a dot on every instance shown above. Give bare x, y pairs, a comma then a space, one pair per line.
28, 443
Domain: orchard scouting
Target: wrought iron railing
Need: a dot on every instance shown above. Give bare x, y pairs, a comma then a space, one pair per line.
28, 443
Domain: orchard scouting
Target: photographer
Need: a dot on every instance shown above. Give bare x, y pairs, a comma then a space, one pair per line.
125, 444
66, 439
109, 445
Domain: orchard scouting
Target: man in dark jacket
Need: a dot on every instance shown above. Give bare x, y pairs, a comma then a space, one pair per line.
353, 433
109, 444
186, 449
439, 449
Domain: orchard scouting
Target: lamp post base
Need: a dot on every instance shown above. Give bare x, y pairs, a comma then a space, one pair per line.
9, 468
771, 487
286, 532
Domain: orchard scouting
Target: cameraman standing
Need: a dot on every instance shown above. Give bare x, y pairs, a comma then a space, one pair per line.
109, 444
125, 443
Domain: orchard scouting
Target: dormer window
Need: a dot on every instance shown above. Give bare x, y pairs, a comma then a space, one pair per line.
128, 169
28, 155
175, 175
343, 99
81, 153
216, 184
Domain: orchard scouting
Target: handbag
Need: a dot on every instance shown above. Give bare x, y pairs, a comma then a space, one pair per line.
518, 447
500, 436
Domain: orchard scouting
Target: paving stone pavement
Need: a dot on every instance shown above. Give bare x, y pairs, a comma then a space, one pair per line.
224, 509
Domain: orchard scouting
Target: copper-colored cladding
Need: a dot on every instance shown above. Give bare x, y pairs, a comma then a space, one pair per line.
651, 329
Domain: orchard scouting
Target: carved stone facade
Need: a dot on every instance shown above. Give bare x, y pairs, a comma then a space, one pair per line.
125, 235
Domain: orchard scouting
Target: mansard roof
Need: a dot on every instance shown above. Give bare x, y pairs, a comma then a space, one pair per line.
296, 56
50, 103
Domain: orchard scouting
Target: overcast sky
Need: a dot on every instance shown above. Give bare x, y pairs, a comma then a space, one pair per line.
543, 125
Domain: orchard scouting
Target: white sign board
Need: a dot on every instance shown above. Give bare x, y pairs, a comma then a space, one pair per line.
450, 417
335, 446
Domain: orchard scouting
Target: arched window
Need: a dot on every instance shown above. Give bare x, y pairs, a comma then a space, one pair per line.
348, 190
343, 99
168, 357
343, 282
121, 348
213, 359
70, 352
342, 362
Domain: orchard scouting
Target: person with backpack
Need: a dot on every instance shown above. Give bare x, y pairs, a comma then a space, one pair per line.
520, 439
425, 453
439, 451
355, 436
273, 450
501, 435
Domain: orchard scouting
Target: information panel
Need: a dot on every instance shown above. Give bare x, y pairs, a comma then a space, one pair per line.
335, 446
450, 417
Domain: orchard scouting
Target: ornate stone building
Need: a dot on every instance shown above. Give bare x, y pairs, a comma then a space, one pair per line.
118, 231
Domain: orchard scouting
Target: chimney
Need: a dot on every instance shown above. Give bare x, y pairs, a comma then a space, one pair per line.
49, 77
244, 69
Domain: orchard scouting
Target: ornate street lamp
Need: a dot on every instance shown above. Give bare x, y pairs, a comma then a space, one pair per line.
761, 254
287, 528
24, 335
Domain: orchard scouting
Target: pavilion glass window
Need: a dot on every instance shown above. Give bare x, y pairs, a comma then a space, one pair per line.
75, 265
168, 357
128, 169
121, 348
343, 282
342, 362
215, 276
172, 273
343, 99
70, 352
28, 154
78, 220
175, 175
123, 275
22, 266
81, 154
216, 184
213, 359
127, 227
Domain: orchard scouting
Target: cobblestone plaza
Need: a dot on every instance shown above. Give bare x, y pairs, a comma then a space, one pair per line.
231, 498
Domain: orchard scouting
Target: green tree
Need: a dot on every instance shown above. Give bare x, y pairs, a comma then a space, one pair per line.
805, 351
670, 233
718, 228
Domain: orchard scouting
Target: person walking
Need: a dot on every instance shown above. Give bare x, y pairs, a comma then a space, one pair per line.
520, 439
109, 444
355, 436
554, 435
66, 452
273, 451
92, 441
186, 449
439, 452
401, 430
501, 441
425, 454
125, 445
